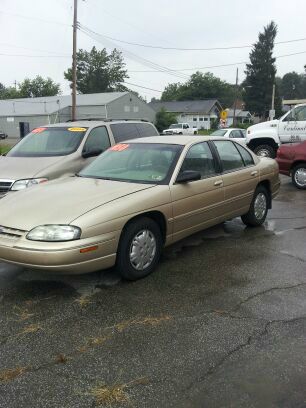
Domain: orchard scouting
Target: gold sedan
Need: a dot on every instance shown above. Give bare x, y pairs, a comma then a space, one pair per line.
133, 200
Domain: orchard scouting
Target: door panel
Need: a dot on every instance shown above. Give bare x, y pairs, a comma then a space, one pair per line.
240, 177
199, 203
196, 205
239, 187
293, 127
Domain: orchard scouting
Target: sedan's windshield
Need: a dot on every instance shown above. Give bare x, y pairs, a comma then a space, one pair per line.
176, 126
53, 141
219, 132
135, 162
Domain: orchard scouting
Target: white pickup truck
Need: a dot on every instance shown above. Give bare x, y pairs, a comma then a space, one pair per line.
180, 129
265, 138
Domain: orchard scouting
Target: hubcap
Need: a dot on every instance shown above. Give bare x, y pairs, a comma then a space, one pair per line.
142, 250
260, 206
300, 177
263, 153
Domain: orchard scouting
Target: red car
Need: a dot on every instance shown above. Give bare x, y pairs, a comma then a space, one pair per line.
291, 159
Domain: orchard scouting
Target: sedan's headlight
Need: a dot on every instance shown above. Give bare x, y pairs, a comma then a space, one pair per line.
22, 184
54, 233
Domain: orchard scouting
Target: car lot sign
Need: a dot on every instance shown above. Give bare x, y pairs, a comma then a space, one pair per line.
272, 114
223, 114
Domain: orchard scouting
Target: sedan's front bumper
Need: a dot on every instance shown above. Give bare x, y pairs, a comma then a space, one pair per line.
71, 257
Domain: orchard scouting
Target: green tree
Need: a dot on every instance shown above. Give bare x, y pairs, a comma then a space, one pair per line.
32, 88
201, 86
173, 92
164, 119
98, 71
291, 86
8, 93
260, 73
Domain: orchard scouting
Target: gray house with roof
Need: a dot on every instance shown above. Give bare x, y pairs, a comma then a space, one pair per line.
242, 116
19, 116
197, 113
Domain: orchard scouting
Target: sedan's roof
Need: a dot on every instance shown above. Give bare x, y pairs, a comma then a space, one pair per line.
175, 139
93, 123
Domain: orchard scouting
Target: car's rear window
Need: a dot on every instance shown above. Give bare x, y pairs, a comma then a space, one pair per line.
128, 131
53, 141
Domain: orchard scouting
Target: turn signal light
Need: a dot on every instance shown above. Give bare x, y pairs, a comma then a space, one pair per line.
88, 249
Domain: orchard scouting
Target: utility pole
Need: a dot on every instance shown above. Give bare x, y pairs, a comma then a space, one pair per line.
74, 60
272, 112
235, 103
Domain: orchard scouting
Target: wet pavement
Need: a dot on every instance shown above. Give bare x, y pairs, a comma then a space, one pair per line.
220, 323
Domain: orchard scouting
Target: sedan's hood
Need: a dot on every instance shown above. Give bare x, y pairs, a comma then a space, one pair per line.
15, 168
61, 201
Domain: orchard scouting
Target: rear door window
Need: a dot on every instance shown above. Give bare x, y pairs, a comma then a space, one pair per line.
247, 157
236, 134
229, 155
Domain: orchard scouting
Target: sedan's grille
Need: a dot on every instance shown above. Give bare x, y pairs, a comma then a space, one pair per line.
5, 185
10, 233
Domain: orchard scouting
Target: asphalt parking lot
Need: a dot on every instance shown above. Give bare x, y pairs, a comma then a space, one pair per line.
221, 323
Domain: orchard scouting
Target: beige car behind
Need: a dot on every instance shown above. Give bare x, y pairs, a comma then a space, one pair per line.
126, 223
63, 149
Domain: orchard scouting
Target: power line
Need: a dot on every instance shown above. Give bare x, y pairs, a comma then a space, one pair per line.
35, 18
225, 65
131, 55
34, 56
30, 49
144, 87
191, 49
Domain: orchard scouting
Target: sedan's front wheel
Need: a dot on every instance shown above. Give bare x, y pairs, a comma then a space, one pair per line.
139, 249
258, 209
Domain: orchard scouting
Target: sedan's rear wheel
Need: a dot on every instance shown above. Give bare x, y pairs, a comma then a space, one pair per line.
258, 209
139, 249
299, 176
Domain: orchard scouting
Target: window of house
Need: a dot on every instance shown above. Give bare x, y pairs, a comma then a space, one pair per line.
201, 119
136, 109
195, 119
127, 108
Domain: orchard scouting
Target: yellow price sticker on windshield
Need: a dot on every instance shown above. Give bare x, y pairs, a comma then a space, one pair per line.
76, 129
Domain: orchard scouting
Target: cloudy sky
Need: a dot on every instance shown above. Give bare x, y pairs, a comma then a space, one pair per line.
36, 37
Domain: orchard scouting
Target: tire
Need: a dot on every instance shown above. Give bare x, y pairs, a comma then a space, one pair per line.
180, 133
265, 150
129, 254
299, 176
258, 208
195, 133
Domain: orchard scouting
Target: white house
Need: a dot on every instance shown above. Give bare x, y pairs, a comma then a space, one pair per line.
197, 113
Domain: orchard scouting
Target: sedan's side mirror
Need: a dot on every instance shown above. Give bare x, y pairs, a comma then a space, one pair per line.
187, 176
91, 153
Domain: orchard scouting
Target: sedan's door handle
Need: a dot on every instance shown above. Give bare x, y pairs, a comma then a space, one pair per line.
254, 173
218, 183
